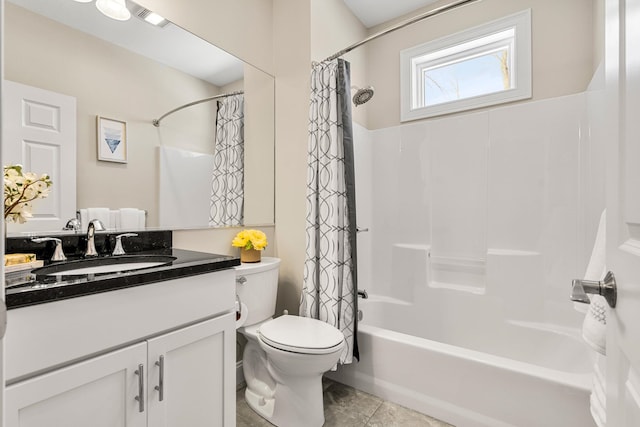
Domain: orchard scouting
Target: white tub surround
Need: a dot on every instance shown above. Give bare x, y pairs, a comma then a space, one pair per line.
478, 224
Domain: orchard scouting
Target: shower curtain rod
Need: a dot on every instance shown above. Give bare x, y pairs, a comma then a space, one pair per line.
417, 18
156, 122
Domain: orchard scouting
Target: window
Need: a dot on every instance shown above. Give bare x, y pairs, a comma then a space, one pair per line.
486, 65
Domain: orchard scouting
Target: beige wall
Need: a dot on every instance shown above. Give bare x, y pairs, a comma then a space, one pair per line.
218, 240
283, 37
562, 33
306, 30
37, 53
334, 27
598, 32
241, 27
259, 144
292, 58
250, 29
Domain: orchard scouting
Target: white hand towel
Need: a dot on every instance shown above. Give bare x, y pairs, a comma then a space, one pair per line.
598, 394
114, 220
594, 327
84, 219
101, 214
142, 219
130, 219
595, 322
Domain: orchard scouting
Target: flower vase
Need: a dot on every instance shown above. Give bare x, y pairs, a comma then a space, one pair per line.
249, 255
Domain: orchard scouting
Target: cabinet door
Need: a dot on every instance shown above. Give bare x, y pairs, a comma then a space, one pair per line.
198, 375
99, 392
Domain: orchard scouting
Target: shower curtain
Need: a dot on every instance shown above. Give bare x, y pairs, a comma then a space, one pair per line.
227, 183
330, 279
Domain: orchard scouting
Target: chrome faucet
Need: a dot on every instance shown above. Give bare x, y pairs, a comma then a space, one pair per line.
94, 225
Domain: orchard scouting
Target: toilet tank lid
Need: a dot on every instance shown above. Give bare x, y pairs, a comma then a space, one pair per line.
267, 263
301, 332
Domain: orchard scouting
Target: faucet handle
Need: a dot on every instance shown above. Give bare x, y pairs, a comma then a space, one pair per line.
607, 288
119, 250
72, 224
58, 253
97, 225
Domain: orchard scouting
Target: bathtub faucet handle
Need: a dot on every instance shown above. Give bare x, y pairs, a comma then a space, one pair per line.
607, 288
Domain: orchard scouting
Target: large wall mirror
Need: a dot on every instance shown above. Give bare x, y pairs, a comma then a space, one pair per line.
130, 73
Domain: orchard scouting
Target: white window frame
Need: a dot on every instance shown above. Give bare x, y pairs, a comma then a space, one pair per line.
415, 60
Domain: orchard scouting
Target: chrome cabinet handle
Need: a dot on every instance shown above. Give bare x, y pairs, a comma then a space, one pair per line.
140, 397
607, 288
160, 386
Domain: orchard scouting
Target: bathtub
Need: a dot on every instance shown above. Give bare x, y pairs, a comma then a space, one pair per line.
487, 372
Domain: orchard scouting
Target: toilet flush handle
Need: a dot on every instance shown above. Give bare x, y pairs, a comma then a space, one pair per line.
241, 280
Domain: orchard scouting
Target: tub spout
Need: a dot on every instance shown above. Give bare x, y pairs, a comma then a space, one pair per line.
363, 294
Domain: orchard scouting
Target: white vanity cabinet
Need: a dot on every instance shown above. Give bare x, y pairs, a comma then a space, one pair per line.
193, 364
157, 355
99, 392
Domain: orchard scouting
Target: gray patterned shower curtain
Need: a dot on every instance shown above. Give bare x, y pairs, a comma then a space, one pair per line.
227, 183
330, 279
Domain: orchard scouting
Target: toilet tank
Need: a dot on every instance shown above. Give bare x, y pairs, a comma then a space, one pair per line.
257, 288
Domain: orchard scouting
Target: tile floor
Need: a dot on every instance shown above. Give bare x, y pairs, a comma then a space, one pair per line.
345, 406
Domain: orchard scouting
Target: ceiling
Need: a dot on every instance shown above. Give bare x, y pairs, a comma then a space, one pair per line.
374, 12
170, 45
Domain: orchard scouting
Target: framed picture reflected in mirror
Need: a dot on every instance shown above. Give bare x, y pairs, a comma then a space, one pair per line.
112, 140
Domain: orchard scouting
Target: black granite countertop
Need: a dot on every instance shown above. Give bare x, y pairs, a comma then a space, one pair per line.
25, 288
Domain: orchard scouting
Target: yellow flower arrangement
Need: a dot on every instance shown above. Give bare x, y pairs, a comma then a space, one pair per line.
250, 239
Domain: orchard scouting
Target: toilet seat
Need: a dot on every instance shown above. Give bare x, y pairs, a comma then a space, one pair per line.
300, 335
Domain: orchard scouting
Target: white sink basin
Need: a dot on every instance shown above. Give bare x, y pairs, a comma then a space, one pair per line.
104, 265
107, 268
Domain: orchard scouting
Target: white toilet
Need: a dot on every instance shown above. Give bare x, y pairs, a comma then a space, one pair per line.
285, 357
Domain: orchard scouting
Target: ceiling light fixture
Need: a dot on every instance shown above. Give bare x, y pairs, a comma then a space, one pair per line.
151, 17
114, 9
154, 19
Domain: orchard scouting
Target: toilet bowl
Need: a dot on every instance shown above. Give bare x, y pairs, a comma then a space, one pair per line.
285, 357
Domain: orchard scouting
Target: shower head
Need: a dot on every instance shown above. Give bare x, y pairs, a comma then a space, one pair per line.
362, 95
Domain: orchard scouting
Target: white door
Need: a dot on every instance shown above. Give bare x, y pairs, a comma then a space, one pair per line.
192, 375
99, 392
622, 61
39, 132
